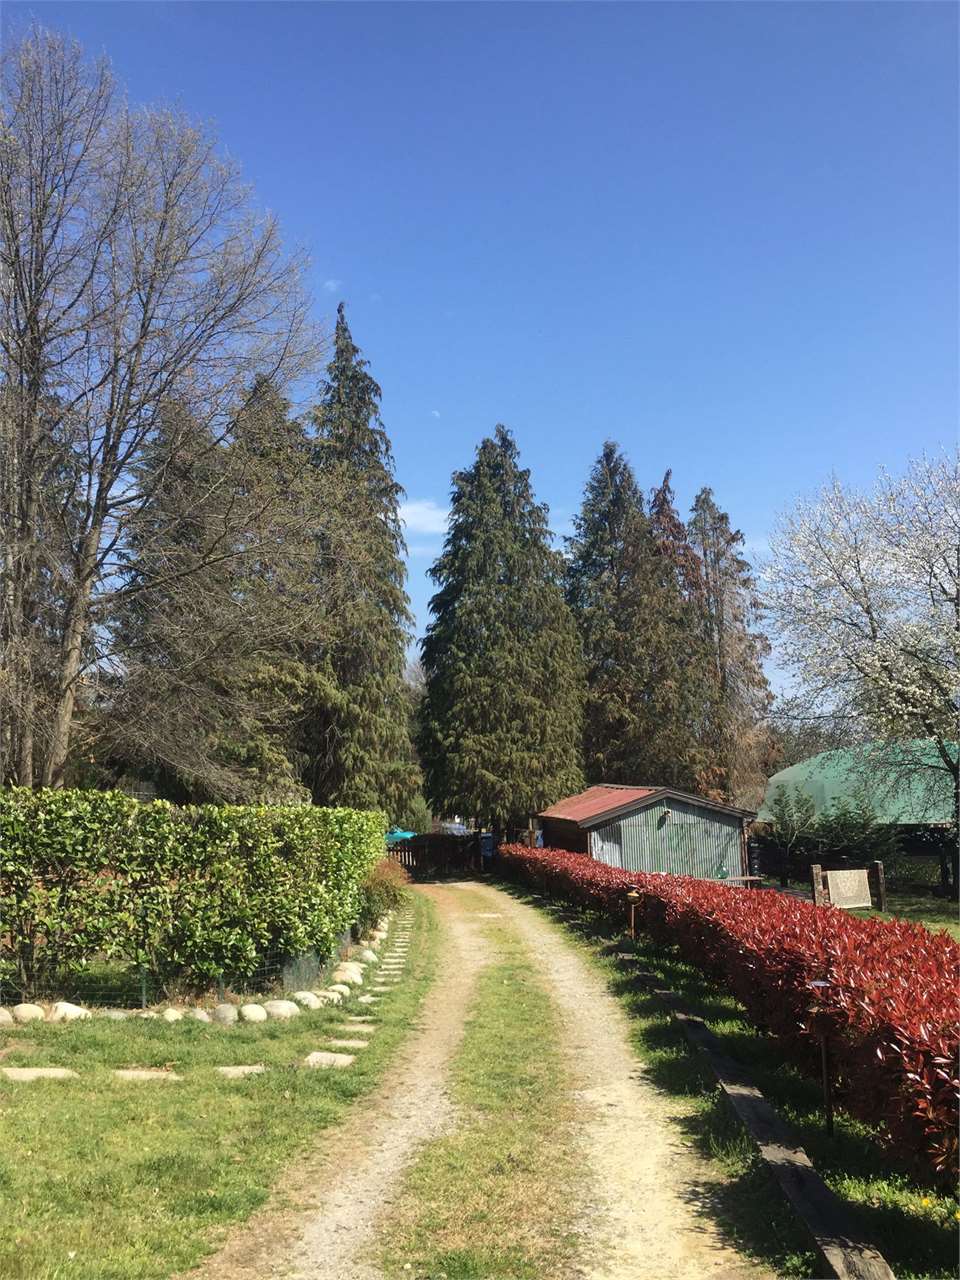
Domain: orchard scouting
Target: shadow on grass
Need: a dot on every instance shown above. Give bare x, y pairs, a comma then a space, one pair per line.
918, 1240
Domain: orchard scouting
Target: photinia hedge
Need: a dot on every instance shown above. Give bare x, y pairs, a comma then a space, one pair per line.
196, 894
890, 1003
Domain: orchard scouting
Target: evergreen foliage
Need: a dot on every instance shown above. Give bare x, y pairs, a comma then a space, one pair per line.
501, 719
355, 735
741, 735
634, 584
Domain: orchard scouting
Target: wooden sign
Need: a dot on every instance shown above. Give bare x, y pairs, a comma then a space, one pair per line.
849, 888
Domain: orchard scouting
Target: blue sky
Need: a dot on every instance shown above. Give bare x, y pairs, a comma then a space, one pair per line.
724, 235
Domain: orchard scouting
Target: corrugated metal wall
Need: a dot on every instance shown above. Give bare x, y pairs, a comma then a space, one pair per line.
673, 836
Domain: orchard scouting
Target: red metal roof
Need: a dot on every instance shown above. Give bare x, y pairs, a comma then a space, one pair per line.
595, 801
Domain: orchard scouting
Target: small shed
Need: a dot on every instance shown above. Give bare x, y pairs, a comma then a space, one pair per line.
651, 829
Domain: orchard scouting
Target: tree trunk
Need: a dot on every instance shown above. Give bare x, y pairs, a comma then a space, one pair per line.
71, 655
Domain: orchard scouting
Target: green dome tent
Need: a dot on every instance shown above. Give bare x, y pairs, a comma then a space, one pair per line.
905, 783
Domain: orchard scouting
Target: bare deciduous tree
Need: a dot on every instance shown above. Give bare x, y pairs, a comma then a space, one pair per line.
135, 273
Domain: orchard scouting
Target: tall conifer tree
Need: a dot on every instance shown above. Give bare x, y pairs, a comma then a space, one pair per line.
737, 648
632, 582
501, 717
356, 732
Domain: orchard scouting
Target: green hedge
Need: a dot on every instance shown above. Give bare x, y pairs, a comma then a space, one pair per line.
196, 895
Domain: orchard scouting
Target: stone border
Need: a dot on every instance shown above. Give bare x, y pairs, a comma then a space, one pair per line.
348, 975
348, 1035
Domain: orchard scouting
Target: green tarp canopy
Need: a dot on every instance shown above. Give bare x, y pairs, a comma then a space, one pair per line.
906, 783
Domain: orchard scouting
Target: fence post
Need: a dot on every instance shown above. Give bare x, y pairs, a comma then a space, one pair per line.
816, 883
877, 868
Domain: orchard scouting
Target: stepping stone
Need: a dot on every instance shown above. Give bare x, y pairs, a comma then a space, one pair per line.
25, 1074
348, 1044
64, 1011
323, 1059
282, 1009
307, 1000
352, 1029
144, 1073
362, 1019
225, 1014
253, 1013
27, 1013
238, 1073
368, 999
381, 990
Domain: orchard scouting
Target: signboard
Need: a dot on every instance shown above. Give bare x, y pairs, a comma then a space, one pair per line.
848, 888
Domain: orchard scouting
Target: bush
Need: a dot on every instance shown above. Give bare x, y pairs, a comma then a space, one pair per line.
193, 894
383, 890
890, 1005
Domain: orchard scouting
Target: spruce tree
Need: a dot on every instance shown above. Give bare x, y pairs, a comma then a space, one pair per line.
501, 717
737, 648
355, 732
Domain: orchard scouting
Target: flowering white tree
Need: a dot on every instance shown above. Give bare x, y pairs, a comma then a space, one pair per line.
864, 590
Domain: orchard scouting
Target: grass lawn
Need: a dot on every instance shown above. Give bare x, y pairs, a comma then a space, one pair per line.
494, 1200
108, 1180
936, 913
913, 1226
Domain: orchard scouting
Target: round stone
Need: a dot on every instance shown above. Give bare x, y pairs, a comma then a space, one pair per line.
371, 957
225, 1014
198, 1015
113, 1015
253, 1013
306, 1000
27, 1013
282, 1009
329, 997
340, 988
172, 1015
6, 1018
349, 976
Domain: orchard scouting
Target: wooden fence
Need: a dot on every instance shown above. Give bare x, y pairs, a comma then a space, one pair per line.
437, 856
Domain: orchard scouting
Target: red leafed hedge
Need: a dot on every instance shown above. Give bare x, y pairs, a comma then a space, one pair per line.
891, 1004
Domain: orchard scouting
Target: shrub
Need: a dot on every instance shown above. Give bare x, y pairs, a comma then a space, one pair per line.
890, 1004
195, 894
383, 890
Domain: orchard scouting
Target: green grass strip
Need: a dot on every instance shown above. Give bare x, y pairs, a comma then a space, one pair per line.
107, 1180
495, 1199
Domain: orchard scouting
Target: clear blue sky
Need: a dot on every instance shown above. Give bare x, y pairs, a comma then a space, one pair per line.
723, 234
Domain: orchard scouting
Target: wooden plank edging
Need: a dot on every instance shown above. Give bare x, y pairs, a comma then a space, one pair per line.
840, 1243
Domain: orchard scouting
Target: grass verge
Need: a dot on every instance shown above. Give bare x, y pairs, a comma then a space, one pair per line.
109, 1180
494, 1200
914, 1227
937, 914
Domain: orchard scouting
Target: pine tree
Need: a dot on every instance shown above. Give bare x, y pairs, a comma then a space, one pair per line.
501, 717
355, 732
632, 582
737, 646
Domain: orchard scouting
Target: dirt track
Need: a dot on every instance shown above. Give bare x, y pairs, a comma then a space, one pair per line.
645, 1211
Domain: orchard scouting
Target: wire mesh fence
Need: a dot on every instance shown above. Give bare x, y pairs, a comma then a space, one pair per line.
105, 983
